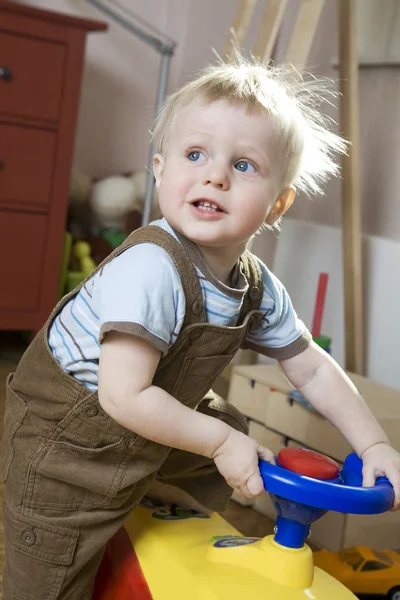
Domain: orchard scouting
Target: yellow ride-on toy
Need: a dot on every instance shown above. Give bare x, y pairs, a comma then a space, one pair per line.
175, 554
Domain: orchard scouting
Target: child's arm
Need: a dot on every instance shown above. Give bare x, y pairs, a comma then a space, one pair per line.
330, 391
126, 370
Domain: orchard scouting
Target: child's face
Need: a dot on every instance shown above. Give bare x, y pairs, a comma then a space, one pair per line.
219, 179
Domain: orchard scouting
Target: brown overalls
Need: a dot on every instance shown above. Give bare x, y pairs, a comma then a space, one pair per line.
72, 474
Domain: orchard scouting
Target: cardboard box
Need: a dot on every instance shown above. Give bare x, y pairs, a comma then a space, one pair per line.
260, 392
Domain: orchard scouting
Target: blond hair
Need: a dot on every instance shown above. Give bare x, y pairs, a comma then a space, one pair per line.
309, 147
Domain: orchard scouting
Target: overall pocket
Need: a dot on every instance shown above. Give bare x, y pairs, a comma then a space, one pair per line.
81, 468
37, 556
196, 376
13, 418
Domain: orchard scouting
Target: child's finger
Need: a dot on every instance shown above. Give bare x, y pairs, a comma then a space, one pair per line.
255, 485
265, 454
394, 478
243, 491
369, 476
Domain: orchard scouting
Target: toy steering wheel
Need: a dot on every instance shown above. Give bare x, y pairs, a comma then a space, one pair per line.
304, 485
327, 487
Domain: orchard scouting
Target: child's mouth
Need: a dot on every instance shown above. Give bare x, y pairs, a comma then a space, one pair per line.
207, 206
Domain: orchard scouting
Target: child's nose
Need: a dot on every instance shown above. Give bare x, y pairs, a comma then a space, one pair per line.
217, 175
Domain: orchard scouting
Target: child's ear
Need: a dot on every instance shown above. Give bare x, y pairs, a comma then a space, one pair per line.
158, 168
282, 204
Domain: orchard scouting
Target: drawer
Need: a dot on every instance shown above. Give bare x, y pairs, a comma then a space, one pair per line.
328, 531
379, 531
306, 427
27, 157
33, 82
22, 251
336, 531
273, 408
248, 396
267, 438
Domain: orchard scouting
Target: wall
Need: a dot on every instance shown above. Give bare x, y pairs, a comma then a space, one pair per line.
305, 250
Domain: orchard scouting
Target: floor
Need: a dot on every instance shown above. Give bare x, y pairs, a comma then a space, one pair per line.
246, 520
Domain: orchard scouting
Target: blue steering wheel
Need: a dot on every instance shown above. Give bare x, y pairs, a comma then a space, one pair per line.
300, 499
343, 494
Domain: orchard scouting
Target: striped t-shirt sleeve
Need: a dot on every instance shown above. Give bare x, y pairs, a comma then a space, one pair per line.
140, 293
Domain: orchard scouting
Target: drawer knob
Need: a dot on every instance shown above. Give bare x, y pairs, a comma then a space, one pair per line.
2, 164
6, 74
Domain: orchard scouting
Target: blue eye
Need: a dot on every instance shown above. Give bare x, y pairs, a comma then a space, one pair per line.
244, 167
195, 156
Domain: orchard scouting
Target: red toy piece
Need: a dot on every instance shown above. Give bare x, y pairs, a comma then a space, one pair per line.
307, 462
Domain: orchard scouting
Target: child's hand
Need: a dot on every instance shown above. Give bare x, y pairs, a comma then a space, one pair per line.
237, 461
381, 460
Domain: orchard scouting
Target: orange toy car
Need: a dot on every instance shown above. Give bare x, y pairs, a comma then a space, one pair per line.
363, 570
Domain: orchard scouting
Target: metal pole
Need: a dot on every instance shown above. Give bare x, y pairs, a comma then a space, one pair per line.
161, 93
149, 39
166, 50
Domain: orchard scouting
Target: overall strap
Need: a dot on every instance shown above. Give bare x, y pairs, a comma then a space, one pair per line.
152, 234
252, 271
194, 312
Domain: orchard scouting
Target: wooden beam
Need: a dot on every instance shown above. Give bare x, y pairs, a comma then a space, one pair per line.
269, 29
303, 33
351, 209
240, 27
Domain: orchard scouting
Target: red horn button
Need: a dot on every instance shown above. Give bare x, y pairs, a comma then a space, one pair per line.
307, 462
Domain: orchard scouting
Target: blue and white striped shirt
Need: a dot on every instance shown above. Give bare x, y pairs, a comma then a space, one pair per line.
140, 292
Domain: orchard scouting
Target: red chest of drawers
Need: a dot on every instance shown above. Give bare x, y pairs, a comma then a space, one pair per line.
41, 63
